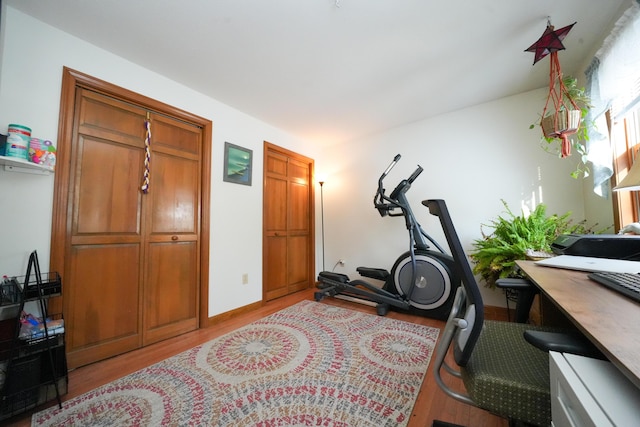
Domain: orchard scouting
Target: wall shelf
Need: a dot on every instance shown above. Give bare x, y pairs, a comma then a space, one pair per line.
14, 164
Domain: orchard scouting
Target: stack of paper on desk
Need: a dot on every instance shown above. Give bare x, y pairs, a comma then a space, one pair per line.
584, 263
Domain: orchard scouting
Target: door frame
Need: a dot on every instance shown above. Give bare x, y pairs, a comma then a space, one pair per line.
72, 79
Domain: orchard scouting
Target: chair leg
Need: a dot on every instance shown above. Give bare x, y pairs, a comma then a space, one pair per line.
524, 303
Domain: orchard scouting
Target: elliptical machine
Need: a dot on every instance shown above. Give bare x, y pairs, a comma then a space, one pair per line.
422, 281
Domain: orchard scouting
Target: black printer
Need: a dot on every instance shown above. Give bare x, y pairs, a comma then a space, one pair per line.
614, 246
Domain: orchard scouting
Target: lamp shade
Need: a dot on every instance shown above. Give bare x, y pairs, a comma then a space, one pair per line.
632, 180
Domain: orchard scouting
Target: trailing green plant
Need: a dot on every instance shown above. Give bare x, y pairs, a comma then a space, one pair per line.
579, 139
513, 236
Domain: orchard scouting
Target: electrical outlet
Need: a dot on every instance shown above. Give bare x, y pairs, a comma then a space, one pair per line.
245, 279
342, 262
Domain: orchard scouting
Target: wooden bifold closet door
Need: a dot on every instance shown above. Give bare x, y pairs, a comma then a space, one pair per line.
132, 259
288, 248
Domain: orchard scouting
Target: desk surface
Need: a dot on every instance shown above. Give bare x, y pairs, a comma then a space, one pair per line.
610, 320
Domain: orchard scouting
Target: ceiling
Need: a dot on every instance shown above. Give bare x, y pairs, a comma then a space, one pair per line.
328, 71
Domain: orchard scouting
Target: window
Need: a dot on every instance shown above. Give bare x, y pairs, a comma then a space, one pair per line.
613, 83
626, 149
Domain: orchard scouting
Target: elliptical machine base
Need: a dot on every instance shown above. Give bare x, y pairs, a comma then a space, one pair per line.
432, 295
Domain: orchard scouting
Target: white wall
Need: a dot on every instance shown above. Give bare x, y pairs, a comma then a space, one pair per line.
472, 159
33, 55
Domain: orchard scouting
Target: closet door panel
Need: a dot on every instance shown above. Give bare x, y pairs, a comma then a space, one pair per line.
172, 229
107, 195
174, 195
275, 226
103, 301
299, 204
170, 299
171, 134
103, 257
276, 205
109, 119
299, 226
275, 277
298, 262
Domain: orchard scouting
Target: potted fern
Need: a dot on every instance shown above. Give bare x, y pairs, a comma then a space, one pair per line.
517, 237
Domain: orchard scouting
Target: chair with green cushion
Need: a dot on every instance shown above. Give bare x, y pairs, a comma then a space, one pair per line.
502, 372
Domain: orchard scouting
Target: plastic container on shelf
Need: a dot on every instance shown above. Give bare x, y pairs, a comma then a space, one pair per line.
17, 144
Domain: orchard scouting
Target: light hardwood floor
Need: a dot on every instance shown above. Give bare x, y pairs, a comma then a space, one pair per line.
431, 403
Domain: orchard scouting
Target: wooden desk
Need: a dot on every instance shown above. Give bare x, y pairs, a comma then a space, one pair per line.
611, 321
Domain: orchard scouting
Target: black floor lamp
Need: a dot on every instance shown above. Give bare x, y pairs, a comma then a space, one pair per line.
322, 218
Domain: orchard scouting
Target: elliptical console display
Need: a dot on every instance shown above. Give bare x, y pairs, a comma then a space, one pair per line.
421, 280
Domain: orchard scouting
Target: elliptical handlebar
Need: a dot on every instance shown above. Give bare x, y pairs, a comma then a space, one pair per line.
415, 174
379, 198
396, 159
385, 204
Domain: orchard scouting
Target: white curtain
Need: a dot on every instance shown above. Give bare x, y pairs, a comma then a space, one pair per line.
613, 78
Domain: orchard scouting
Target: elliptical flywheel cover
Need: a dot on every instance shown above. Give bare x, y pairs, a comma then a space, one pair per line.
433, 281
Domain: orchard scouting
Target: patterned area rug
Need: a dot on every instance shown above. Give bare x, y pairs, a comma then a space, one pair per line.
311, 364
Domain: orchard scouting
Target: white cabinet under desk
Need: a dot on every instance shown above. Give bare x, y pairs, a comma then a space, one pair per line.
591, 392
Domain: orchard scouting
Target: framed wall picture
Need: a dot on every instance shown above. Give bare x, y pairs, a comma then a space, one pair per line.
237, 164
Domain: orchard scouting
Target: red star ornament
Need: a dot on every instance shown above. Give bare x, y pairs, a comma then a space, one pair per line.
549, 42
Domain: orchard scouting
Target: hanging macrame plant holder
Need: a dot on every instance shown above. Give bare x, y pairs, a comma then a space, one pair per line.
561, 115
